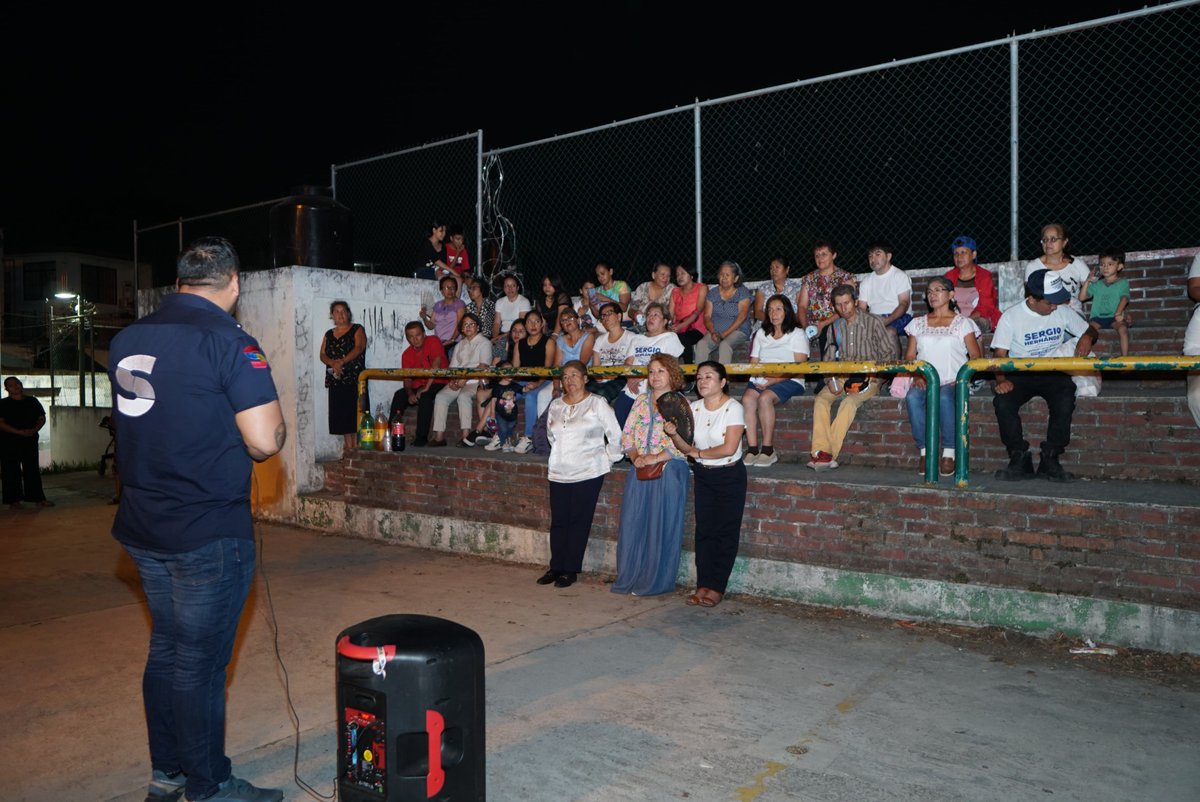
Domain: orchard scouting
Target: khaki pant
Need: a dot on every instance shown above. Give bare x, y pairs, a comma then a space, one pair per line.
827, 436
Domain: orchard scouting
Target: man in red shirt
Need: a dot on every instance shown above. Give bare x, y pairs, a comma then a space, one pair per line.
974, 286
422, 352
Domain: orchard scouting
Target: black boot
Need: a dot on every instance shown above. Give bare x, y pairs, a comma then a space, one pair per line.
1019, 468
1050, 469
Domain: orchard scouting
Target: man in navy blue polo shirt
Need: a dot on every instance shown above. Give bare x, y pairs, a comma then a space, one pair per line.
195, 403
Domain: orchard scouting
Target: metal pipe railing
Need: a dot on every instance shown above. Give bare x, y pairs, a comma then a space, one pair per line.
962, 385
924, 369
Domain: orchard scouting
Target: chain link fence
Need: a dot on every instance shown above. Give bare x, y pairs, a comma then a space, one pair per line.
622, 194
913, 154
1101, 138
1109, 121
394, 198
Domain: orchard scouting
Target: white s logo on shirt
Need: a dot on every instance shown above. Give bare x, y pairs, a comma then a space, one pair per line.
138, 386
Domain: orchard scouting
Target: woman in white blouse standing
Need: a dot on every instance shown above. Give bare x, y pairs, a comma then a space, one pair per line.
720, 474
585, 441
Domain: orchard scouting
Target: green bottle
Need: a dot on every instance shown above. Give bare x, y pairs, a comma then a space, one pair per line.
366, 432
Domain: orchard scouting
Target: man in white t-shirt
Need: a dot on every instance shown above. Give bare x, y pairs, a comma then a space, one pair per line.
657, 339
1191, 339
885, 292
1036, 327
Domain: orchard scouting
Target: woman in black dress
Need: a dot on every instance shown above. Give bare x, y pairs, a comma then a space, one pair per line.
344, 352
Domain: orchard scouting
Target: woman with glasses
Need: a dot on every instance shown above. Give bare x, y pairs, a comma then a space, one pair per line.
1070, 270
609, 350
946, 340
473, 351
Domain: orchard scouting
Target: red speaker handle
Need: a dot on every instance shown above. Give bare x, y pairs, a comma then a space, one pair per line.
434, 724
347, 649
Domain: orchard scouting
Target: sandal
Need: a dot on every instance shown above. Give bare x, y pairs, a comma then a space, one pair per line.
711, 599
695, 598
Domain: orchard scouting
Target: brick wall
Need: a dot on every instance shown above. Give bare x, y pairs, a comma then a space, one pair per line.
1111, 437
1148, 553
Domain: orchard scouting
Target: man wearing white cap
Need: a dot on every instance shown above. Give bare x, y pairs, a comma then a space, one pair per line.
1036, 327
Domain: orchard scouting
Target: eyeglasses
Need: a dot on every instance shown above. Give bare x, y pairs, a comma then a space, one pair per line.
607, 313
1051, 240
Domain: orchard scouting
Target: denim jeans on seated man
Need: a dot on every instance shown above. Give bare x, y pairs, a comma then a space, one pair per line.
195, 599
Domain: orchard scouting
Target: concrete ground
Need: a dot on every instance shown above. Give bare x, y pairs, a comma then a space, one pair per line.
590, 696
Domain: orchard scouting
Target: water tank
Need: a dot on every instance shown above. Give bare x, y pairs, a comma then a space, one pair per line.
311, 229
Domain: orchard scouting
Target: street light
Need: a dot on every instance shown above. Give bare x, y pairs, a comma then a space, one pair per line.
66, 296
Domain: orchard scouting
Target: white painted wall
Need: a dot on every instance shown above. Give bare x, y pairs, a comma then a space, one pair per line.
287, 311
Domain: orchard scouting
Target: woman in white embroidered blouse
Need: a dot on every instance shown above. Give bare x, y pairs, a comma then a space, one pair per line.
585, 441
946, 340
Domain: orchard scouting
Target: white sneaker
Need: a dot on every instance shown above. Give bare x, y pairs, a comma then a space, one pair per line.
524, 445
507, 448
766, 460
493, 444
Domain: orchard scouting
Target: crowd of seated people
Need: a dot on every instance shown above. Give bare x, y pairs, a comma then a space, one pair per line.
828, 314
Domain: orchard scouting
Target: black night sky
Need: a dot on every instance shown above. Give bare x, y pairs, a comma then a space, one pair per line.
113, 115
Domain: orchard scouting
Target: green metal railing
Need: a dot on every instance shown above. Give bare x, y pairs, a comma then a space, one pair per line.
924, 369
962, 385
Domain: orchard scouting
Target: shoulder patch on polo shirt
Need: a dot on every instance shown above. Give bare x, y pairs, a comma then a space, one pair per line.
257, 358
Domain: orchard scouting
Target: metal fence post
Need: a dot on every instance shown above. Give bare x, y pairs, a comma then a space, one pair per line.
1014, 131
699, 193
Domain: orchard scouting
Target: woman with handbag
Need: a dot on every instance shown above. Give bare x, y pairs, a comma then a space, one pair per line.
720, 473
584, 443
651, 531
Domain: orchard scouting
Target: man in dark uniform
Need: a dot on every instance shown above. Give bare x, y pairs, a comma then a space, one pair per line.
195, 403
21, 417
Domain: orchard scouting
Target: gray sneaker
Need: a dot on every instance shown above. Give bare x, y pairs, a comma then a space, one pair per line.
164, 788
236, 789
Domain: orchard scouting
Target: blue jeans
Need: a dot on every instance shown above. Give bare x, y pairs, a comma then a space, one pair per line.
536, 402
505, 429
916, 414
195, 601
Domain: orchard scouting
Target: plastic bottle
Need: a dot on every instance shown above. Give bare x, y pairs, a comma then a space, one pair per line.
397, 434
381, 428
366, 432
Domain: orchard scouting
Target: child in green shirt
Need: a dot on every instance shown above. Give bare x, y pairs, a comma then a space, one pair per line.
1109, 296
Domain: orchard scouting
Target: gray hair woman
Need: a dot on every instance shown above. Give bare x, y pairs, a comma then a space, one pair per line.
585, 441
726, 315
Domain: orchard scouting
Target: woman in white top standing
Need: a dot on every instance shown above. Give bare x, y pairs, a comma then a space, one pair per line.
780, 340
946, 340
1071, 272
720, 495
585, 441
